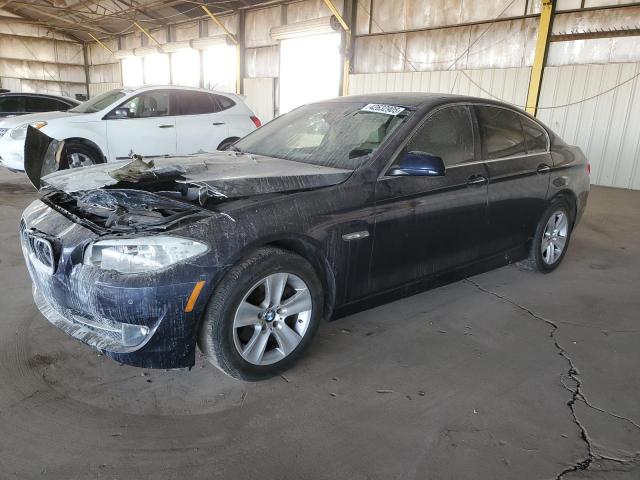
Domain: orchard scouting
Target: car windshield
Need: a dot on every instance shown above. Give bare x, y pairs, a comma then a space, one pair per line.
100, 102
331, 134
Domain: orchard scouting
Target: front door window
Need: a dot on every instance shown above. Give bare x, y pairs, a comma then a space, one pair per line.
150, 104
447, 134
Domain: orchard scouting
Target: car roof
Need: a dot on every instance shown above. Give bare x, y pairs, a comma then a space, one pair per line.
418, 99
42, 95
145, 88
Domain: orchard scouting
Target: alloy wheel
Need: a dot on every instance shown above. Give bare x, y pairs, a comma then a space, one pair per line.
554, 237
79, 160
272, 318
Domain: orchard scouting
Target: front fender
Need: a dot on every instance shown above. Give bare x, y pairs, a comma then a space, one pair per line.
41, 155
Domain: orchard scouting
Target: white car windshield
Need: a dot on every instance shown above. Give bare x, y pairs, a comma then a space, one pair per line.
331, 134
100, 102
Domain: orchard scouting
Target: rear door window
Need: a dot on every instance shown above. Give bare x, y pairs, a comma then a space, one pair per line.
195, 103
11, 104
447, 134
40, 104
501, 133
536, 137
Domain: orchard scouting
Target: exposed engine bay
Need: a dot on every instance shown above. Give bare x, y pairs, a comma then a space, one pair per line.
122, 210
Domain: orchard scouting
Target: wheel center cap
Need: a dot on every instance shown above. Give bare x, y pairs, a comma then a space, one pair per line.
269, 316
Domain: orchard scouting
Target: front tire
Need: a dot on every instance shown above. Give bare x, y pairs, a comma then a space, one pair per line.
263, 315
551, 240
79, 155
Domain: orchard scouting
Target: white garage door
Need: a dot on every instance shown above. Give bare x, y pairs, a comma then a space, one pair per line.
309, 70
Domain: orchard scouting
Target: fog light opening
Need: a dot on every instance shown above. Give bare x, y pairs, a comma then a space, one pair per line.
133, 335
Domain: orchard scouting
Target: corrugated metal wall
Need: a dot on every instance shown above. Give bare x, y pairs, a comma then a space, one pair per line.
606, 127
509, 84
104, 68
505, 45
33, 59
98, 88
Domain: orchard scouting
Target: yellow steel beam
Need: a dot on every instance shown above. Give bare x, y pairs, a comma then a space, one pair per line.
149, 36
346, 63
231, 36
540, 58
337, 14
100, 43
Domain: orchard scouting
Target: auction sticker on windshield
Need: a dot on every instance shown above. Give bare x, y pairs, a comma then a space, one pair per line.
381, 108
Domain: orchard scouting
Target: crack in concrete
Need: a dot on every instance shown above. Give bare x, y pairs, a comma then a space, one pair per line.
576, 393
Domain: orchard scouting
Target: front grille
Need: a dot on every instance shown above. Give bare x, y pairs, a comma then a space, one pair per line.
3, 131
38, 248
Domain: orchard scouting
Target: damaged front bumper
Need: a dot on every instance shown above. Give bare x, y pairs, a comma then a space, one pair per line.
138, 319
101, 333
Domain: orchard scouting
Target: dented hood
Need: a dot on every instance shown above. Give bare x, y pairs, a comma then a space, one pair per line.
227, 174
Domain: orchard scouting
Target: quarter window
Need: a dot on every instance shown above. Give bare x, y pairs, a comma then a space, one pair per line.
535, 136
447, 134
501, 133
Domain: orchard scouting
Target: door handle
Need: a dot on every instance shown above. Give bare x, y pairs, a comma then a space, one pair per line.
543, 168
217, 124
475, 180
165, 126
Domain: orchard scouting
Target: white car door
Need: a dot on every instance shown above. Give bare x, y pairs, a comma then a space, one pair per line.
200, 124
144, 125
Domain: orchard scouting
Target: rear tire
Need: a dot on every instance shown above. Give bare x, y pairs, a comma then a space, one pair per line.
551, 239
79, 155
263, 315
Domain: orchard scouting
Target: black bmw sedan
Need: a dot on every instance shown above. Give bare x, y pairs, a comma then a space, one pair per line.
334, 207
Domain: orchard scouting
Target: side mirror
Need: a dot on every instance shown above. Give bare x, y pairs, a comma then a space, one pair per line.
121, 113
419, 164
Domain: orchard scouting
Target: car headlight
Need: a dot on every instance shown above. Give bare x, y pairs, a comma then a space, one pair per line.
142, 254
20, 132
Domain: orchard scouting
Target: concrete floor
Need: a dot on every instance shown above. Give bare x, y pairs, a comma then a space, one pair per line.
510, 374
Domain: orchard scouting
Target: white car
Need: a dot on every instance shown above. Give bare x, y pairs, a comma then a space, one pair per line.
148, 121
